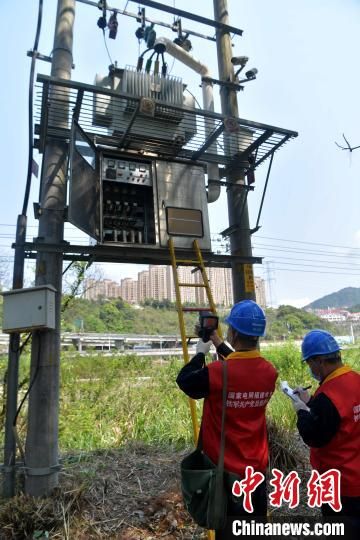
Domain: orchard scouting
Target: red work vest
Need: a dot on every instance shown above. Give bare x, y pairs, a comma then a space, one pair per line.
251, 382
342, 387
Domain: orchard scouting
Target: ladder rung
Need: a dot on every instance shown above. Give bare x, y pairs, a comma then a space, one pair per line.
187, 261
191, 285
196, 309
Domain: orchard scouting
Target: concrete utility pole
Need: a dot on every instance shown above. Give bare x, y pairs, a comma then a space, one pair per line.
13, 369
41, 452
240, 237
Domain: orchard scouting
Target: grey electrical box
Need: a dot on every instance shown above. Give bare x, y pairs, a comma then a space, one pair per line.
29, 309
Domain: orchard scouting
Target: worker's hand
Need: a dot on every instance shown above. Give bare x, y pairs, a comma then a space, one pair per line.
215, 339
299, 405
303, 394
202, 347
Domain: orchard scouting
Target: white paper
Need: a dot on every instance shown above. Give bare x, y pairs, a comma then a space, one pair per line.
288, 390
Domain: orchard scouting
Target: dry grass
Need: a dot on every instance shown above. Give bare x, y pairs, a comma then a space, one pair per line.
129, 494
287, 452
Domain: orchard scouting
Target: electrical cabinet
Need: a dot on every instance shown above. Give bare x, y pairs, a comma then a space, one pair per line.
122, 199
29, 309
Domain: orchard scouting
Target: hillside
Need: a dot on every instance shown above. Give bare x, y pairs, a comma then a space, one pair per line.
350, 296
116, 316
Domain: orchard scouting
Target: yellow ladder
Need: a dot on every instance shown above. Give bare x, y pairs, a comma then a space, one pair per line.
197, 262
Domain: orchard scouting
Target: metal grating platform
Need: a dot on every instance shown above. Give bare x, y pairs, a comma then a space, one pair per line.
196, 134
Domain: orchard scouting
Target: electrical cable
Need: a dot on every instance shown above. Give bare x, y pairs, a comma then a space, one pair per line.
290, 240
68, 267
196, 101
314, 271
16, 435
106, 47
172, 66
317, 266
31, 93
287, 249
314, 261
23, 345
306, 242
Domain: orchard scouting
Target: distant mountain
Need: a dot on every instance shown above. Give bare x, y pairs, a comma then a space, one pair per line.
348, 297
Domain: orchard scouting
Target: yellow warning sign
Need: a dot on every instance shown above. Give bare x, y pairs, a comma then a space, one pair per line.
249, 278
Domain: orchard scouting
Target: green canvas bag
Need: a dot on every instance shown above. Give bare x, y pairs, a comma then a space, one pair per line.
202, 482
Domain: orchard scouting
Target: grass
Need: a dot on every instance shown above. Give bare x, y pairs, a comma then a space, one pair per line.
106, 402
112, 403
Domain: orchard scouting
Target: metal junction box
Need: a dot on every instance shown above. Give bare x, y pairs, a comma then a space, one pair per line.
29, 309
126, 200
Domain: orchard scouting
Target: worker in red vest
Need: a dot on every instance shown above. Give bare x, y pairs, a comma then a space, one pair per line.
329, 421
251, 383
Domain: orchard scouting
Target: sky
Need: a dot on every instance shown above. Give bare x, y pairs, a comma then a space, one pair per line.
308, 81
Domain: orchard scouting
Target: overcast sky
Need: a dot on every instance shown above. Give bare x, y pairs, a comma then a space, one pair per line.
308, 81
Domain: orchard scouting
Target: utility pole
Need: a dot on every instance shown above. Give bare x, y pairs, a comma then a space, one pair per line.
239, 229
13, 369
41, 452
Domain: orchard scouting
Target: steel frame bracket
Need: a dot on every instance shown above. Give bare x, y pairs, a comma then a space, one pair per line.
230, 230
116, 254
224, 84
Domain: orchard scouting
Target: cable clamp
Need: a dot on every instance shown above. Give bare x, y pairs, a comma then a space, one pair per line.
41, 471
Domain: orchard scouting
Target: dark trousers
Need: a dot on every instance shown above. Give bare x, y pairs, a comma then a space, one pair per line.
236, 510
349, 515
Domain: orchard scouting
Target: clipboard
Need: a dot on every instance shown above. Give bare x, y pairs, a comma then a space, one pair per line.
288, 391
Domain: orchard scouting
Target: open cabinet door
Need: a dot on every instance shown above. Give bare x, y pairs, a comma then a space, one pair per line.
84, 185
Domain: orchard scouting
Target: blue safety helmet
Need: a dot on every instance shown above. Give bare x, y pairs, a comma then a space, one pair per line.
247, 318
317, 343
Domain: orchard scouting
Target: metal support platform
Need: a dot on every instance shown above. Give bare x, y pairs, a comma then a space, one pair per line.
229, 141
137, 255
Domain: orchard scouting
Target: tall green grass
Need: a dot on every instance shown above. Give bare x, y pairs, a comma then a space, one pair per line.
106, 402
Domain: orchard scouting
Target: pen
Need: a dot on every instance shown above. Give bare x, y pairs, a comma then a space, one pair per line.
306, 388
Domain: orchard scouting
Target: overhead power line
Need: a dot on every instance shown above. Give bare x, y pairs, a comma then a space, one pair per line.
321, 263
271, 247
306, 242
314, 271
316, 266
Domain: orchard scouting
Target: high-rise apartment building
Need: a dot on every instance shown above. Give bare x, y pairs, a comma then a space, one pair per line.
185, 275
129, 290
143, 285
105, 288
114, 290
157, 283
220, 284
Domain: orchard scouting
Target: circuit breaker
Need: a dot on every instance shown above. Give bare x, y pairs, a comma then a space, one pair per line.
128, 214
